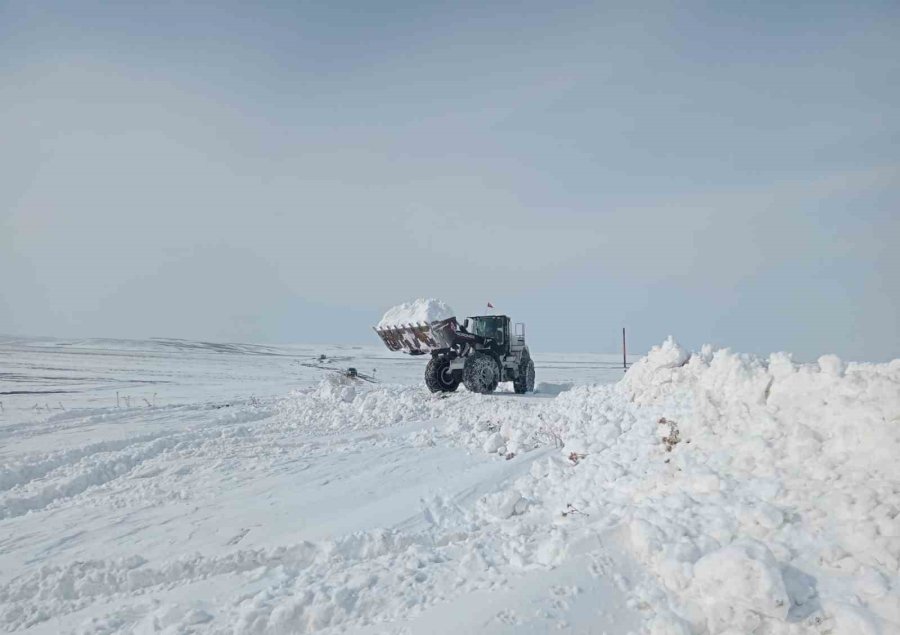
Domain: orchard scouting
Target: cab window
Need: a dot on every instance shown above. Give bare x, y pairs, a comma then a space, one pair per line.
489, 327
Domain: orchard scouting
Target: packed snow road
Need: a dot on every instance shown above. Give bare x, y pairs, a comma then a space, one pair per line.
231, 491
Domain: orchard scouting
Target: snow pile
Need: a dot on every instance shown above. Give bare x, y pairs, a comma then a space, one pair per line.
849, 411
762, 495
789, 492
416, 312
339, 403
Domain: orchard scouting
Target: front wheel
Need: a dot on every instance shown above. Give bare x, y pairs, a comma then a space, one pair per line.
439, 377
481, 373
525, 381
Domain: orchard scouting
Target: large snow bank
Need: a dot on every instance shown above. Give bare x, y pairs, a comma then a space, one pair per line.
851, 412
799, 459
422, 310
762, 495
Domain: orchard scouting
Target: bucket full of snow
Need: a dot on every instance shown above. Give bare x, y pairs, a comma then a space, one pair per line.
417, 327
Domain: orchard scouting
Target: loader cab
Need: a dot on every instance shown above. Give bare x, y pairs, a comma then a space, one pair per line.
494, 327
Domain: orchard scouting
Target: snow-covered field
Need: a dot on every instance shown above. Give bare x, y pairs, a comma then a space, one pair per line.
227, 488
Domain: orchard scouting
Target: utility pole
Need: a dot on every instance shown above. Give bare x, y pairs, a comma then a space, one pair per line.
624, 362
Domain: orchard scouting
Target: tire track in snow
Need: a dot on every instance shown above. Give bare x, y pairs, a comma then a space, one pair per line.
120, 462
62, 589
97, 474
17, 475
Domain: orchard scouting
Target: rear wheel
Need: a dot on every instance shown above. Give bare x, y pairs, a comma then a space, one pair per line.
525, 380
439, 377
481, 373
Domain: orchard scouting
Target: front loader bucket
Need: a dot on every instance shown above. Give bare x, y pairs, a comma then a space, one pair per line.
418, 339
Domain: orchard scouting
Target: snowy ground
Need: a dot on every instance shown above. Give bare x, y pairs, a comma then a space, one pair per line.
234, 490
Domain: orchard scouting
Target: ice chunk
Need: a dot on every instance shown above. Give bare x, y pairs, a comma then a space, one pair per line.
832, 365
494, 443
669, 354
652, 373
502, 505
743, 574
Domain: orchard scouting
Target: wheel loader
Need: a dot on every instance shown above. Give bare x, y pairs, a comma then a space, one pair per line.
479, 353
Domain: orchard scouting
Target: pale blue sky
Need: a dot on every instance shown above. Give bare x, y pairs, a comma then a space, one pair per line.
284, 172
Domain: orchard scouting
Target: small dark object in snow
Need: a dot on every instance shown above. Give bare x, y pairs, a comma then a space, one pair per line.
575, 457
350, 373
510, 455
571, 509
673, 438
238, 537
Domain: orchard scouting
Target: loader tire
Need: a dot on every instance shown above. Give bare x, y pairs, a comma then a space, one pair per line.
439, 377
481, 374
525, 381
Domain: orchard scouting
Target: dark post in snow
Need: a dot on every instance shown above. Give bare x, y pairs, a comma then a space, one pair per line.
624, 363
